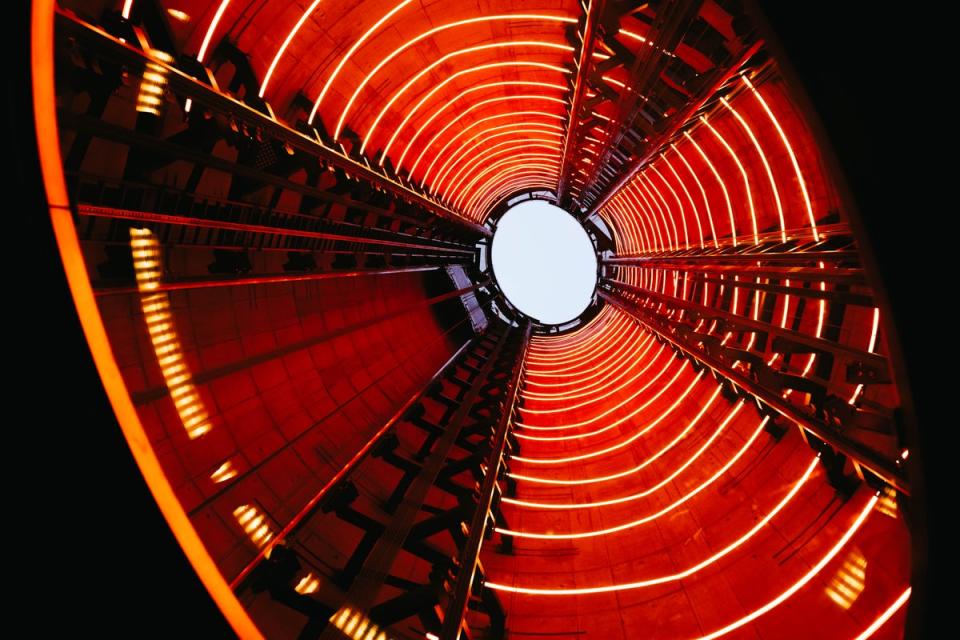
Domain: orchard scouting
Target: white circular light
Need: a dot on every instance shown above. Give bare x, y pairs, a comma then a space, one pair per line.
544, 262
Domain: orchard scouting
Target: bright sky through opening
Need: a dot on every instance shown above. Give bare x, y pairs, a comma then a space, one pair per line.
544, 262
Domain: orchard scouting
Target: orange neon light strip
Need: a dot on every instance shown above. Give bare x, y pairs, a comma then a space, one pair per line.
766, 166
484, 47
621, 474
438, 87
743, 174
626, 401
886, 615
343, 61
211, 29
636, 523
793, 156
723, 186
802, 582
466, 129
427, 34
620, 445
680, 575
44, 109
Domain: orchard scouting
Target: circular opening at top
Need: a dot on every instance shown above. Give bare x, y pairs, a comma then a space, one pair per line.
544, 262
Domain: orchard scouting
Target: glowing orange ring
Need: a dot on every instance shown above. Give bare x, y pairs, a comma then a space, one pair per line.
51, 167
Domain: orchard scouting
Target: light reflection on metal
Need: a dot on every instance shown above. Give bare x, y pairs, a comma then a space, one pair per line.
224, 472
886, 615
153, 84
254, 524
357, 626
887, 505
849, 581
163, 333
308, 584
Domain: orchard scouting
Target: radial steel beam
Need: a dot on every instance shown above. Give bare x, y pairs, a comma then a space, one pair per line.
205, 96
869, 459
364, 589
311, 506
186, 221
470, 555
584, 65
748, 324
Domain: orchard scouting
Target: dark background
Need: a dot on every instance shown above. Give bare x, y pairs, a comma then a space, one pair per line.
98, 554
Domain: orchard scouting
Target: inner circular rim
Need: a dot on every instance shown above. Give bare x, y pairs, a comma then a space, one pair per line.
542, 209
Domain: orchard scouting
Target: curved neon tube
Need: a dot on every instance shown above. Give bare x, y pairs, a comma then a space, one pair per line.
517, 177
464, 150
472, 107
620, 445
619, 474
348, 55
423, 36
793, 156
436, 113
582, 423
658, 200
496, 45
676, 198
585, 403
635, 523
489, 183
766, 166
886, 615
512, 132
723, 186
497, 116
606, 344
696, 214
565, 396
703, 194
799, 584
589, 344
689, 571
461, 192
286, 43
596, 378
210, 30
502, 170
743, 174
488, 154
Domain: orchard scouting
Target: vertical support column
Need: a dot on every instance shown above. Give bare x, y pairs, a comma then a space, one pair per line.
364, 589
584, 65
665, 330
470, 555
